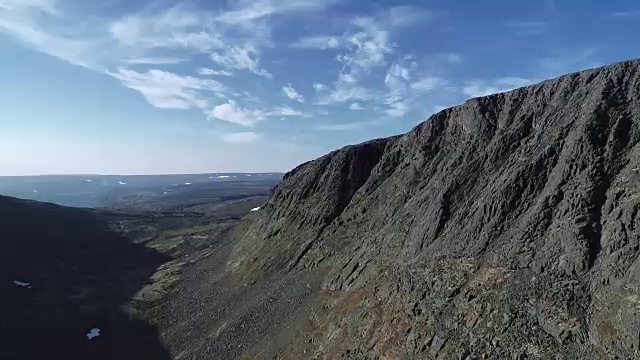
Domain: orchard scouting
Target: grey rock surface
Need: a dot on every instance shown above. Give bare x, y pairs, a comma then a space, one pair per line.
504, 228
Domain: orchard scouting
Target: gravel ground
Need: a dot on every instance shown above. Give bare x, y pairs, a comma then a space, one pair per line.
208, 316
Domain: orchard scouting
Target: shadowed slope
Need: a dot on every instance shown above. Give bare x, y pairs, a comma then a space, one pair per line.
81, 276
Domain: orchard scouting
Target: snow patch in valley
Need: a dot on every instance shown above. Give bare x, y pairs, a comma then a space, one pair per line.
93, 333
21, 283
255, 209
122, 182
187, 183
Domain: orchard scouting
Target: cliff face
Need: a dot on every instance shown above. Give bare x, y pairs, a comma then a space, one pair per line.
506, 227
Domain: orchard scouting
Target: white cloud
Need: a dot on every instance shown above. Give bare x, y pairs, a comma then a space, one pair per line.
346, 78
154, 60
23, 20
318, 42
172, 28
283, 111
356, 106
397, 71
427, 83
207, 71
397, 83
252, 11
370, 45
366, 44
230, 113
240, 58
319, 87
168, 90
397, 109
346, 92
241, 138
292, 94
235, 37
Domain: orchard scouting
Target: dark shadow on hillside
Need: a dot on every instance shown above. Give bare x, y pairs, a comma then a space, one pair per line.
81, 274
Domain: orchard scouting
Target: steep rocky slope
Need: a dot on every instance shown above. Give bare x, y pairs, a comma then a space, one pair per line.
503, 228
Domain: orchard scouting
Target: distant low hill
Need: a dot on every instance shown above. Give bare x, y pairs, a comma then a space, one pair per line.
158, 192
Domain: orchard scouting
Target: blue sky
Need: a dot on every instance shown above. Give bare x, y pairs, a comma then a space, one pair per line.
158, 86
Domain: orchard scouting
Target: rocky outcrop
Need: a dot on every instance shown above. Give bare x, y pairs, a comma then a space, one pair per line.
503, 228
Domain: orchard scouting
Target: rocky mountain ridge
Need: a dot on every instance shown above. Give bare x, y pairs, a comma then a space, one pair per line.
502, 228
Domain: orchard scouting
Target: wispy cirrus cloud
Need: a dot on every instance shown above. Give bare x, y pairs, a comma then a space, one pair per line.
363, 46
292, 94
320, 42
427, 83
343, 92
172, 28
207, 72
127, 48
154, 60
231, 113
397, 82
167, 90
240, 58
252, 11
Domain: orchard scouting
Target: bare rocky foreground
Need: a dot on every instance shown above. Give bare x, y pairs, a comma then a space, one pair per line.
505, 228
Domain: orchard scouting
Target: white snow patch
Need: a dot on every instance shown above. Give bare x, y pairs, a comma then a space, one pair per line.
223, 177
255, 209
21, 283
122, 182
187, 183
87, 180
247, 174
93, 333
35, 191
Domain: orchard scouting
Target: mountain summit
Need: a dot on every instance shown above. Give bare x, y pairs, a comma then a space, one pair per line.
506, 227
